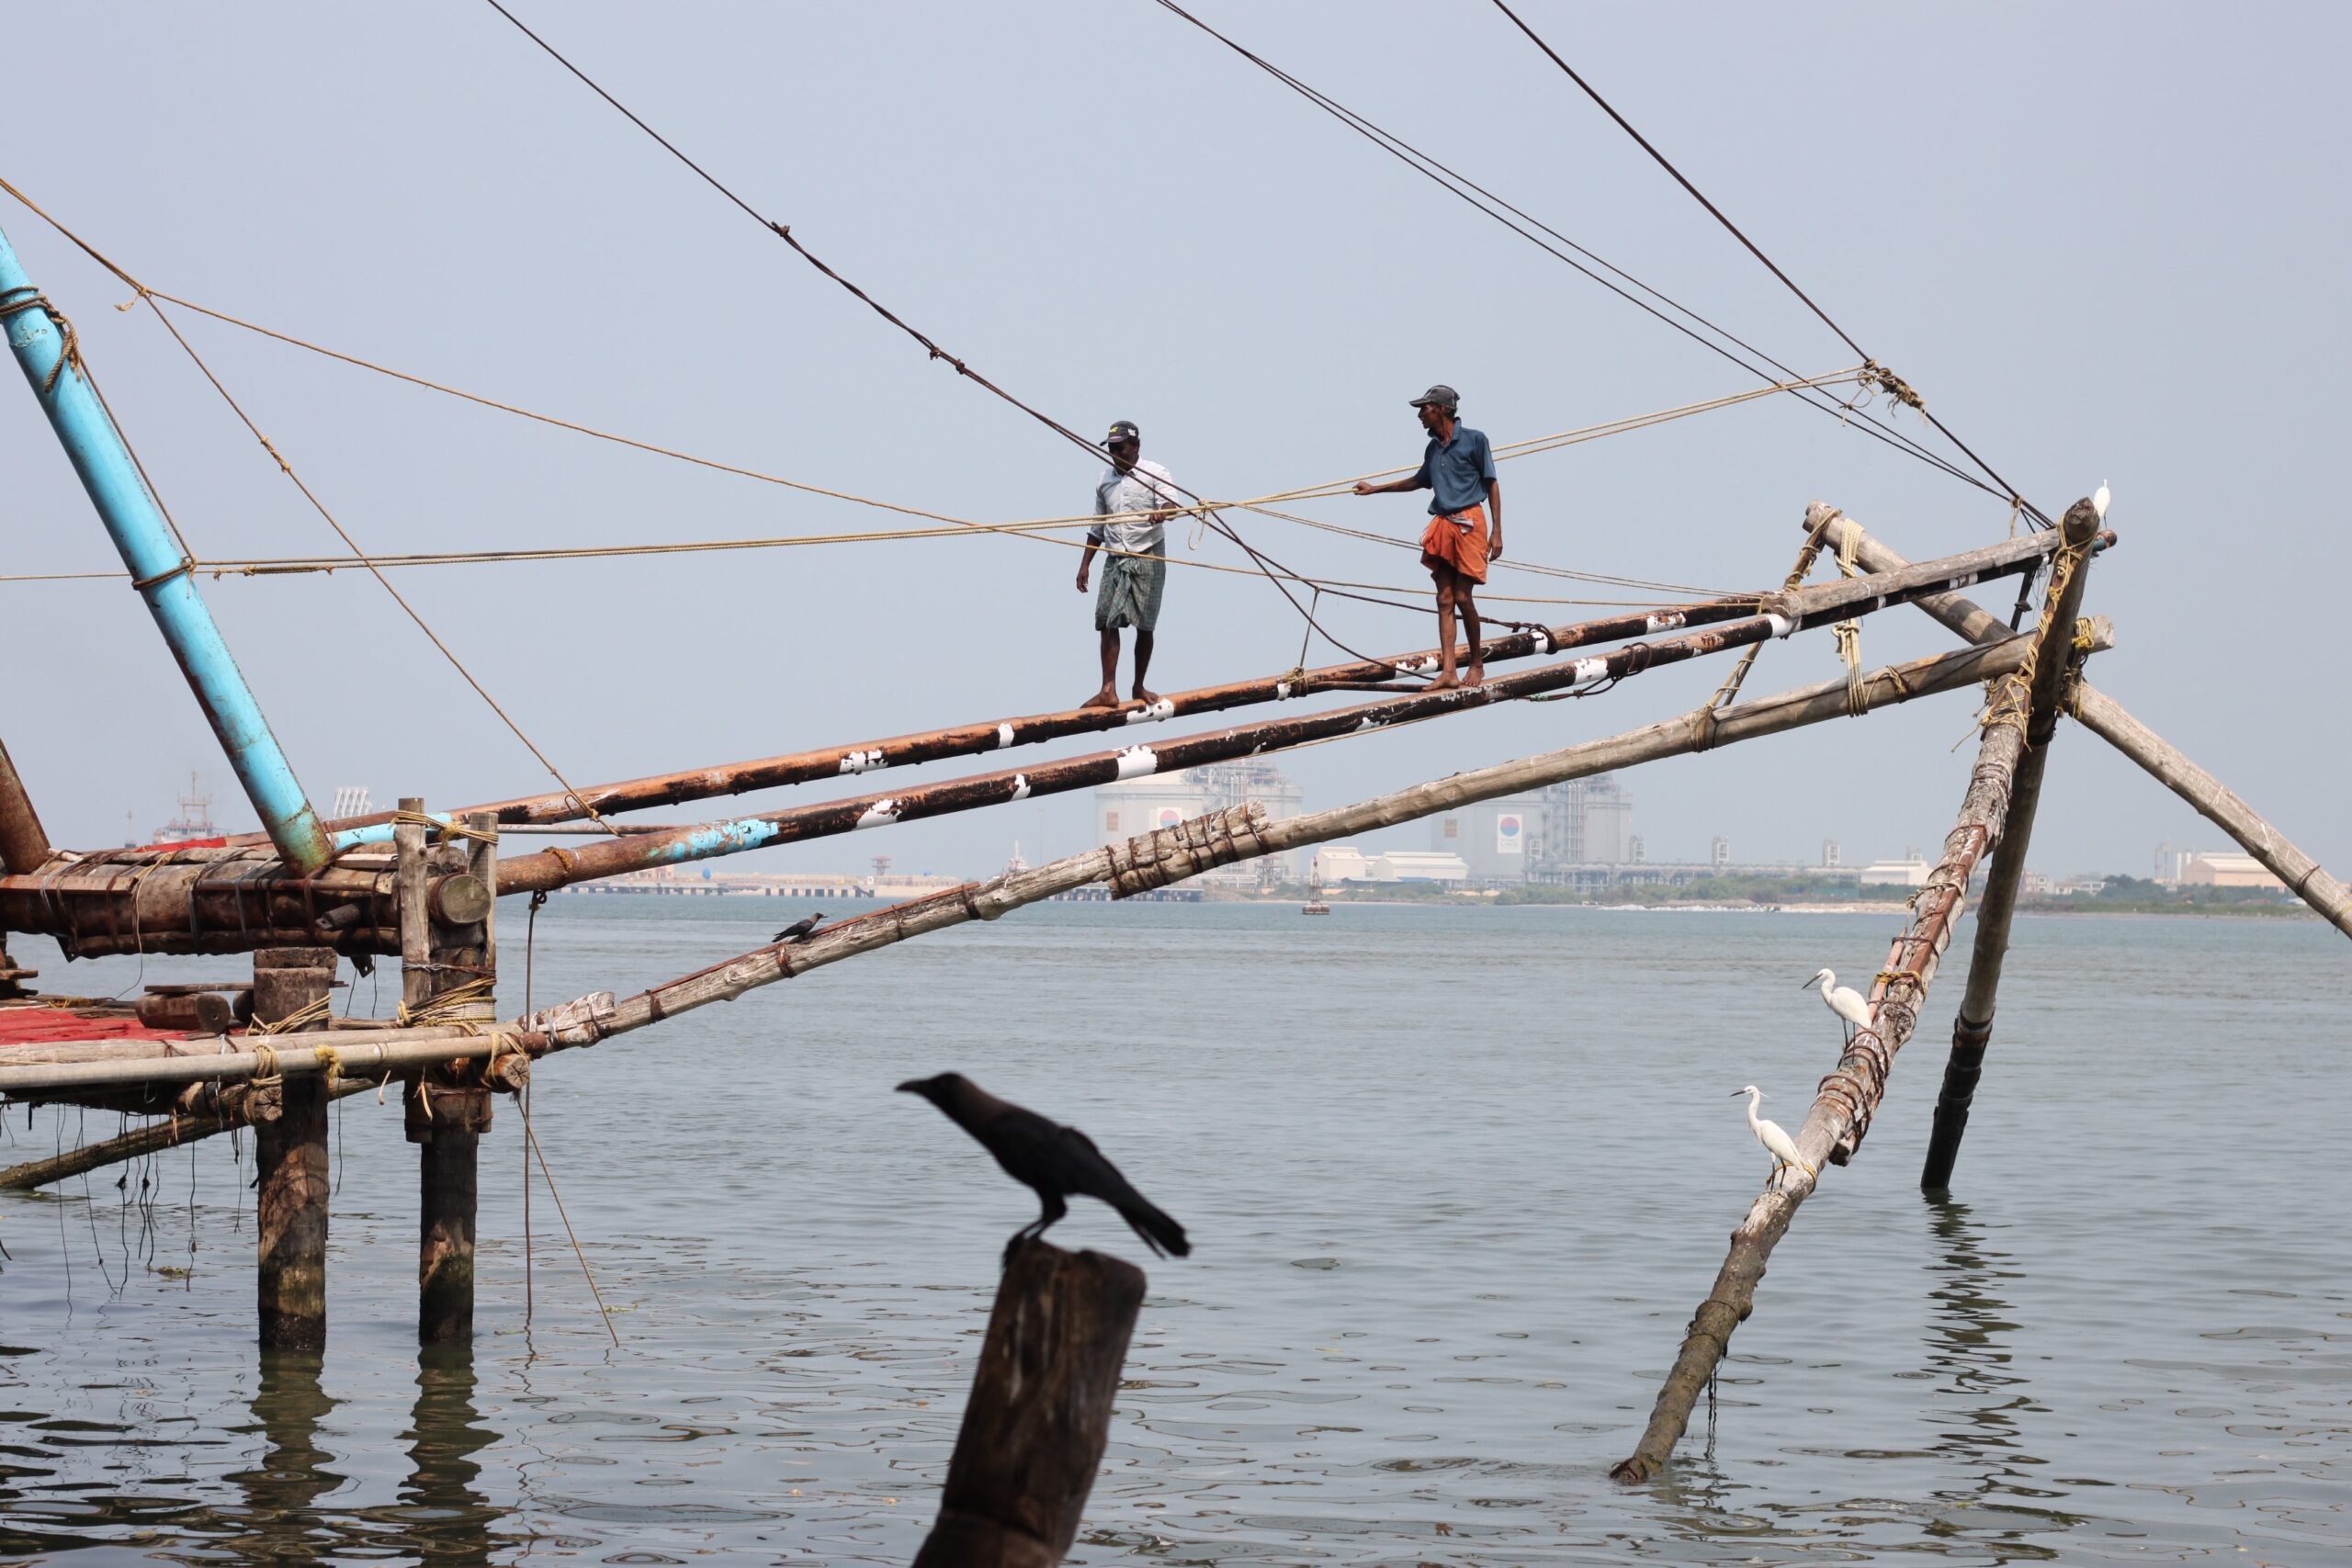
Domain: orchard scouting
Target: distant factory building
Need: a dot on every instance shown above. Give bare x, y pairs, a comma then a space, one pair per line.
1912, 872
1162, 800
1337, 865
2212, 868
1543, 836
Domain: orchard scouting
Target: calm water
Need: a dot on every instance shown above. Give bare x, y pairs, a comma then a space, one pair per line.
1455, 1178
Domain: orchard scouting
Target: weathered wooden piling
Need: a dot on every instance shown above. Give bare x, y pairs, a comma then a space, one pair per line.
291, 986
1040, 1411
447, 901
1847, 1098
2113, 723
1972, 1028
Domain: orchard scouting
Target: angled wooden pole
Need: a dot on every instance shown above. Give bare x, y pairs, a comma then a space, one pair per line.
1039, 1416
1842, 1109
2113, 723
1151, 860
1972, 1029
139, 1141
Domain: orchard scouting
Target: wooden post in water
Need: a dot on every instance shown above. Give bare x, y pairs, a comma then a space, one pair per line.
289, 1119
1972, 1026
1849, 1097
1040, 1411
447, 1108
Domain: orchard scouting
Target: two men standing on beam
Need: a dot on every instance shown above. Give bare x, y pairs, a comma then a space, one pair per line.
1466, 529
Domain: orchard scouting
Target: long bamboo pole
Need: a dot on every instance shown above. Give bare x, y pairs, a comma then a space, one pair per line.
168, 1133
2111, 722
1842, 1109
1783, 613
376, 1054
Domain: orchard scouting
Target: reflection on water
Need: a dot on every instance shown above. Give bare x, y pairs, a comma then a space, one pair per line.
1436, 1276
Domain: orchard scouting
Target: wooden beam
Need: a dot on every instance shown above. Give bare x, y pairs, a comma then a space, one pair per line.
1842, 1109
1972, 1028
139, 1141
2111, 722
447, 1114
24, 846
394, 1050
1039, 1416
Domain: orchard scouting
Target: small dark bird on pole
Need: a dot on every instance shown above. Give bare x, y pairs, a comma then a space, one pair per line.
1054, 1160
799, 930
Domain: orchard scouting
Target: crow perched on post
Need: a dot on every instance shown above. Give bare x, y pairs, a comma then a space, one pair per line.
1054, 1160
799, 930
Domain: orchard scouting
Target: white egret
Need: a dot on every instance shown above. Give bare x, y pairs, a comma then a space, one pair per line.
1844, 1000
1777, 1143
2100, 497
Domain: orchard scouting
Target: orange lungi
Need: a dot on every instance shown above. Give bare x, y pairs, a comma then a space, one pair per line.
1457, 540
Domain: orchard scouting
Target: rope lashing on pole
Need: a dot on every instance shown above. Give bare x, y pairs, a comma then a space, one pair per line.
1702, 719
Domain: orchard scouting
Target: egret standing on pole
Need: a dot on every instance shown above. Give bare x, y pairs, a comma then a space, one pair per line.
1844, 1000
1777, 1143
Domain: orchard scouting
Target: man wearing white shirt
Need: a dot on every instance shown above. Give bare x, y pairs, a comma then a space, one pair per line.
1134, 500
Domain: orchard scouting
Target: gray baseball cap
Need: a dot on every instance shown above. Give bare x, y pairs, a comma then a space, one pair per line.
1441, 395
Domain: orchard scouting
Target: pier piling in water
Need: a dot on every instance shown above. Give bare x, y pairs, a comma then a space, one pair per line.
449, 967
289, 1117
1039, 1416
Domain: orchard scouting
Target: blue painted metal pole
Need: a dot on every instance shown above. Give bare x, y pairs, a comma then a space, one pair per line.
158, 569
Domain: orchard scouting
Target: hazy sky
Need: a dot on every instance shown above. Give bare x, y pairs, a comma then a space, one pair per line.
2098, 238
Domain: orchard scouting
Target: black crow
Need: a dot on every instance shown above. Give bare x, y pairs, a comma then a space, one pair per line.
799, 930
1054, 1160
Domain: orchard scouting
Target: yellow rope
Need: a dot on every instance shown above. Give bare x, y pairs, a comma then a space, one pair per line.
453, 829
455, 1006
308, 1013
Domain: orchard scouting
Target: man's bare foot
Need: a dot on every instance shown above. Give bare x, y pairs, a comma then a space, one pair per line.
1146, 695
1108, 697
1445, 682
1476, 677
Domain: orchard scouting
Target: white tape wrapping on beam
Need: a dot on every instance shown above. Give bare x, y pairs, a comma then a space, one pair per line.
881, 814
1003, 734
1282, 691
1150, 712
1589, 672
1542, 641
1138, 761
1781, 624
862, 761
1421, 666
1667, 622
1021, 786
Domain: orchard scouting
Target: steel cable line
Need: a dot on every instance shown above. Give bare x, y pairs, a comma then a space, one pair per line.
1271, 568
2040, 518
1462, 186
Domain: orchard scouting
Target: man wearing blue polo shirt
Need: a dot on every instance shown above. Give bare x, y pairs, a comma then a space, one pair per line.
1466, 529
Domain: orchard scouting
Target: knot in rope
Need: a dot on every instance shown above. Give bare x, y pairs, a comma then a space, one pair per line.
70, 341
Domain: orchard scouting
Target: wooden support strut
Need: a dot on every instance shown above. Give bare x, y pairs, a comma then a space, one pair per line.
289, 1117
1039, 1416
2111, 722
1188, 849
1972, 1029
1843, 1105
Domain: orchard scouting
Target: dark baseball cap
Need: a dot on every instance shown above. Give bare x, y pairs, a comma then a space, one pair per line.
1441, 395
1122, 430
